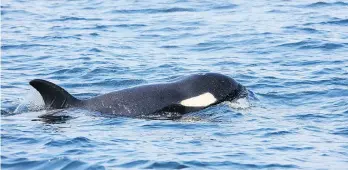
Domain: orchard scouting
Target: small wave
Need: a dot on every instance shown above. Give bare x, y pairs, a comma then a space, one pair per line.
308, 116
134, 164
119, 26
97, 50
291, 148
309, 44
343, 22
330, 46
211, 46
223, 7
259, 130
277, 133
76, 142
24, 46
166, 165
326, 4
276, 11
227, 63
76, 152
107, 70
11, 12
313, 128
302, 29
66, 18
152, 11
99, 27
81, 165
220, 134
5, 113
169, 46
341, 131
303, 63
164, 29
104, 83
19, 140
236, 165
299, 43
22, 165
113, 83
55, 163
190, 153
210, 43
176, 125
57, 37
5, 6
68, 71
94, 34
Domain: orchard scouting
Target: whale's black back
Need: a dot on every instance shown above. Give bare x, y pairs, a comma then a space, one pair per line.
145, 100
148, 99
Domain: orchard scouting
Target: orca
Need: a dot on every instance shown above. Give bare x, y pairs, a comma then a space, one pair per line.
189, 94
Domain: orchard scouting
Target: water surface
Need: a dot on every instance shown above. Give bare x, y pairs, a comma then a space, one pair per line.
291, 55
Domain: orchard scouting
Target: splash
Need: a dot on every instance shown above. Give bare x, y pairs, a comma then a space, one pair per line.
244, 102
31, 102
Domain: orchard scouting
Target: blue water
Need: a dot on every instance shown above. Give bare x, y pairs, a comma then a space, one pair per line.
292, 56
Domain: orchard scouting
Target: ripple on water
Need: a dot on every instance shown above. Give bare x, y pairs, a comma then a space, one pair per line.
106, 27
169, 46
225, 7
313, 117
201, 164
178, 125
76, 152
302, 29
312, 44
134, 164
326, 4
341, 22
19, 140
291, 148
277, 133
55, 163
76, 142
343, 131
24, 46
166, 165
5, 12
68, 18
152, 11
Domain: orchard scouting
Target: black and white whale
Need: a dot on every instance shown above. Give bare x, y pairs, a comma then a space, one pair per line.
189, 94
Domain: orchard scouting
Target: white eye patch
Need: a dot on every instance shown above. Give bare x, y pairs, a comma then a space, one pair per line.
202, 100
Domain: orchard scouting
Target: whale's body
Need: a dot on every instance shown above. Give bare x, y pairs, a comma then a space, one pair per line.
192, 93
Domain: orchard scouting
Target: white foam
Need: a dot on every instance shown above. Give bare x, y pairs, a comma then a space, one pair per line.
31, 102
242, 103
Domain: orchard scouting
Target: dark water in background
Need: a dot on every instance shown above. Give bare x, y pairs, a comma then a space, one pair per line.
293, 55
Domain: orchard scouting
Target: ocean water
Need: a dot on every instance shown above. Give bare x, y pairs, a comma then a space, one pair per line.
292, 56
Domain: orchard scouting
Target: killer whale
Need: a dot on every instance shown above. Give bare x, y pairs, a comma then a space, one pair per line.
189, 94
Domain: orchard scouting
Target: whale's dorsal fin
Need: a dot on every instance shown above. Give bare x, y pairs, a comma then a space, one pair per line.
54, 96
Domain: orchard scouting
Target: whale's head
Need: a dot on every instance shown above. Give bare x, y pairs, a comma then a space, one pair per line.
210, 88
